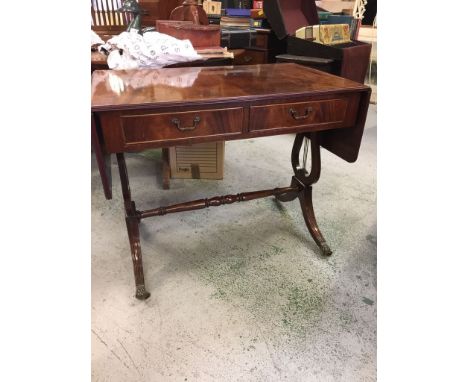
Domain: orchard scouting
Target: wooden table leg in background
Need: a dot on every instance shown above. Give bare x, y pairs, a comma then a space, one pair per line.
166, 172
102, 159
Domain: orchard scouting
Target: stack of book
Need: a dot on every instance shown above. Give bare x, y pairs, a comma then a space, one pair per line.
214, 19
327, 34
213, 11
339, 19
323, 16
354, 30
215, 52
238, 25
327, 18
235, 22
244, 18
258, 18
236, 18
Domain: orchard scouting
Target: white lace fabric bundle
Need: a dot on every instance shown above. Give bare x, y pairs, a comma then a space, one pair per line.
95, 39
150, 50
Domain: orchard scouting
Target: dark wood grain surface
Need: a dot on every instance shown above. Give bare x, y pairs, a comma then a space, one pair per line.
322, 114
136, 89
158, 108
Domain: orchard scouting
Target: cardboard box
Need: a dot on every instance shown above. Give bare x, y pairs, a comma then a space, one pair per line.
212, 7
202, 161
331, 34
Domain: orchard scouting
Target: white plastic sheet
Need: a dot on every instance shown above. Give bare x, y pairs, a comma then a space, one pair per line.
150, 50
95, 39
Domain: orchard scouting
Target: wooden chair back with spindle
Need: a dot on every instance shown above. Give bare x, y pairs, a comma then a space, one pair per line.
105, 18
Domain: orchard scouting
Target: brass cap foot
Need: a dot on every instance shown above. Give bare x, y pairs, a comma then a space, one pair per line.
141, 293
326, 251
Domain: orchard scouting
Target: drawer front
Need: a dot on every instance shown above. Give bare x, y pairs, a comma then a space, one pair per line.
319, 114
251, 57
261, 41
146, 129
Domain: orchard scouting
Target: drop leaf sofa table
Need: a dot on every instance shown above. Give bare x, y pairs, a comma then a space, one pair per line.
139, 109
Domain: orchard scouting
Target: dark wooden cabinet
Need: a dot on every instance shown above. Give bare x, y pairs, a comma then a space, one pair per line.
106, 19
263, 50
251, 57
350, 60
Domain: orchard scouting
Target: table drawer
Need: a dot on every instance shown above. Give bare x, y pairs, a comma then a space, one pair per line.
251, 57
261, 41
141, 129
321, 114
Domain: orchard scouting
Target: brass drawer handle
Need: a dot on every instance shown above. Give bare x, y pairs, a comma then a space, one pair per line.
297, 117
176, 121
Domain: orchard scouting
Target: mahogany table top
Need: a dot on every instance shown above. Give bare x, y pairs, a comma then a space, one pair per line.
145, 88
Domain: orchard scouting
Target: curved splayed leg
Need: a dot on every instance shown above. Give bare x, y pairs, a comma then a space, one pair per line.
305, 198
306, 179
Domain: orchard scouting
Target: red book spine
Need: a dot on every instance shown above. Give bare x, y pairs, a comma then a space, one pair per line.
257, 4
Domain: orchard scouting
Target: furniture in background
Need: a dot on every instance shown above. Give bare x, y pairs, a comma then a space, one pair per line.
350, 60
225, 103
201, 36
190, 10
106, 20
368, 33
212, 7
263, 49
323, 64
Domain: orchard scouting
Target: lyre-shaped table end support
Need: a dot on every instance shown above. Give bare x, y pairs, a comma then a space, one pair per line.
304, 180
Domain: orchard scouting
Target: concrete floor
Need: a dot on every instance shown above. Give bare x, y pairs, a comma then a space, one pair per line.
240, 292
